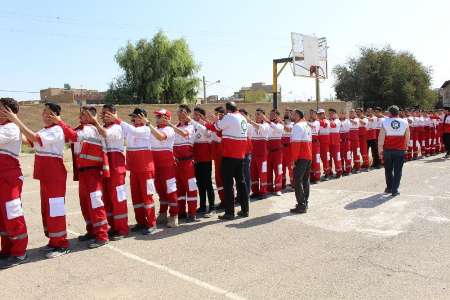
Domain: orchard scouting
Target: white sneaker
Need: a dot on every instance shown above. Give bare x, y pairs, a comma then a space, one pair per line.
277, 194
173, 222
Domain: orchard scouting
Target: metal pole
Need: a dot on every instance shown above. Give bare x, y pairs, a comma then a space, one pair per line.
274, 86
317, 88
204, 89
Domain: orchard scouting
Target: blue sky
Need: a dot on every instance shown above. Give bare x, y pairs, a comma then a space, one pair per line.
49, 43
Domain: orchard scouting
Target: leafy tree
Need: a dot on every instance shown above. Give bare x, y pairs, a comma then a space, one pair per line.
156, 71
383, 77
67, 86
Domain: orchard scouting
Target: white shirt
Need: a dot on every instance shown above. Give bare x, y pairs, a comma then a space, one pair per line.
10, 140
137, 138
52, 140
114, 138
167, 143
88, 133
262, 132
276, 131
315, 127
345, 126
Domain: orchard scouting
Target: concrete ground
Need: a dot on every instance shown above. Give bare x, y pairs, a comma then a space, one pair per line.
354, 243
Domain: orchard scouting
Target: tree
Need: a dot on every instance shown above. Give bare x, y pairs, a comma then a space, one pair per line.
383, 77
255, 96
156, 71
67, 86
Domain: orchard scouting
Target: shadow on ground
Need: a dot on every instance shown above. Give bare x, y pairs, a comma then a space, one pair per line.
259, 220
369, 202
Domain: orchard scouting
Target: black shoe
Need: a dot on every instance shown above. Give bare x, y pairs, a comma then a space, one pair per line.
191, 219
299, 210
354, 171
4, 256
387, 191
337, 176
242, 214
345, 174
377, 167
148, 231
201, 210
226, 217
86, 237
57, 252
137, 228
324, 178
210, 213
254, 196
220, 207
13, 261
313, 182
117, 237
365, 170
182, 216
97, 244
395, 194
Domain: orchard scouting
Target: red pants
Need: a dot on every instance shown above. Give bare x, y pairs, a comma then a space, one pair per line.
335, 156
258, 174
364, 151
274, 166
356, 153
425, 141
315, 163
186, 187
91, 202
433, 141
410, 151
346, 155
287, 166
325, 157
13, 229
166, 187
415, 134
218, 177
53, 212
115, 198
142, 190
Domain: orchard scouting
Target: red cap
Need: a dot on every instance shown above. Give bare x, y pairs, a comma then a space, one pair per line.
162, 112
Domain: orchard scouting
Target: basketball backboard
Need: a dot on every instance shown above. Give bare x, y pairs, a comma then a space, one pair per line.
313, 50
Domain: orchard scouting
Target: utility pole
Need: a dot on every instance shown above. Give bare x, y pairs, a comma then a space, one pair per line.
204, 89
317, 87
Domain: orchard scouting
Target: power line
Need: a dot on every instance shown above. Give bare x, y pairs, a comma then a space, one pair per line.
27, 92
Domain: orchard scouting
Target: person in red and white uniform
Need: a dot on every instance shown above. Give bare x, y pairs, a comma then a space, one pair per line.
216, 149
203, 157
324, 139
354, 141
183, 150
114, 189
335, 142
314, 124
415, 132
139, 161
372, 138
346, 154
286, 143
248, 152
301, 147
410, 119
446, 130
258, 166
421, 134
162, 139
434, 146
49, 169
428, 127
363, 126
234, 146
275, 156
90, 167
392, 144
440, 131
13, 228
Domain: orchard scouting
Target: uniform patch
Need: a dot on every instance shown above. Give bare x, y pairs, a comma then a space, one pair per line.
171, 185
14, 209
96, 199
57, 208
151, 190
264, 167
121, 193
192, 182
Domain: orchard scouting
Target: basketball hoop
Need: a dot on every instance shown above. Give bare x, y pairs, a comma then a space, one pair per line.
313, 50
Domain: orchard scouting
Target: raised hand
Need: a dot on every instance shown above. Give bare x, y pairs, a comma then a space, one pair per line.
142, 118
54, 118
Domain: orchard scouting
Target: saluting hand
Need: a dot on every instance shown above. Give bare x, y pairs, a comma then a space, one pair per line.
110, 117
8, 114
54, 118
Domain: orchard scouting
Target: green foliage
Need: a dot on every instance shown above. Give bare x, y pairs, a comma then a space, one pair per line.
255, 96
383, 78
67, 86
156, 71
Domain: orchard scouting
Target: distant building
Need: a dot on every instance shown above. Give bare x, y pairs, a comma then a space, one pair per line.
74, 96
445, 93
258, 91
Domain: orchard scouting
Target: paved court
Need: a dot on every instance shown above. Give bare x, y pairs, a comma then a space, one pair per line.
353, 243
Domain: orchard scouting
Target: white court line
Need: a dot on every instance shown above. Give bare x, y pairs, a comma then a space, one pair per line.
187, 278
378, 192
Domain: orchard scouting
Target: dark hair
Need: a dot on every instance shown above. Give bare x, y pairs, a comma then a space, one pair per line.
231, 106
378, 108
394, 110
12, 104
447, 108
219, 109
200, 110
55, 108
185, 107
299, 113
260, 110
243, 111
332, 110
110, 107
275, 111
91, 109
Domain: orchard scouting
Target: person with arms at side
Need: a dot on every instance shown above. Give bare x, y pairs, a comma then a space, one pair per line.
286, 143
248, 153
372, 139
234, 145
324, 139
335, 142
49, 169
354, 141
90, 168
275, 157
362, 132
392, 144
301, 140
346, 154
446, 131
13, 228
314, 124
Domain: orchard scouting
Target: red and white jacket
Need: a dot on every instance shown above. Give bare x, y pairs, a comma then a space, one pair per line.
163, 150
275, 134
301, 141
49, 148
115, 148
260, 137
372, 128
286, 137
395, 129
324, 131
139, 157
234, 135
202, 144
363, 126
10, 146
446, 123
335, 126
315, 128
354, 129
